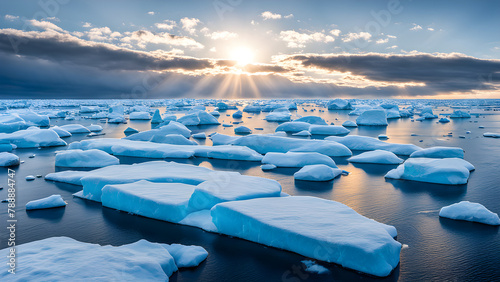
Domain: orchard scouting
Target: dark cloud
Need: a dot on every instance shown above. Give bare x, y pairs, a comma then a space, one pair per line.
64, 48
439, 72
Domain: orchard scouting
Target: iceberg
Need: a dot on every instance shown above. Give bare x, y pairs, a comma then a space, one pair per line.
278, 116
172, 127
449, 171
293, 159
186, 256
63, 258
34, 119
318, 172
468, 211
61, 132
88, 158
339, 104
75, 128
200, 135
460, 114
54, 201
242, 130
372, 118
157, 117
439, 152
349, 123
139, 116
94, 128
328, 130
271, 143
293, 126
8, 159
130, 130
238, 114
32, 137
365, 143
174, 139
321, 229
376, 157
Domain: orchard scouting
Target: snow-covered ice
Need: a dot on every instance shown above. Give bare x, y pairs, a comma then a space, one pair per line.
328, 130
61, 132
186, 256
75, 128
365, 143
469, 211
349, 123
242, 130
8, 159
271, 143
439, 152
318, 172
87, 158
339, 104
32, 137
200, 135
139, 116
295, 159
376, 157
313, 227
450, 171
53, 201
302, 133
372, 118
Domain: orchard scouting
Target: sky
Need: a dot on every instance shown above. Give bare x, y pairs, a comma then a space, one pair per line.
228, 49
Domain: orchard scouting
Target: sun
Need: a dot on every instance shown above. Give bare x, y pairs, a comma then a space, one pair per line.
242, 55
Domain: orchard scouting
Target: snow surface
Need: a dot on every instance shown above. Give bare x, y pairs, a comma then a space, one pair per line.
365, 143
186, 256
376, 157
61, 132
302, 133
139, 116
439, 152
328, 130
271, 143
469, 211
316, 228
53, 201
318, 172
450, 171
75, 128
68, 176
294, 159
60, 258
8, 159
373, 118
162, 201
32, 137
88, 158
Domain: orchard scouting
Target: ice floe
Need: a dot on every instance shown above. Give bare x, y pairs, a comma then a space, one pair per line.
32, 137
450, 171
318, 172
372, 118
469, 211
365, 143
294, 159
376, 157
54, 201
87, 158
439, 152
8, 159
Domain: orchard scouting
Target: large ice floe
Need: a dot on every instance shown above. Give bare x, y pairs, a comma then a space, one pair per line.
313, 227
60, 258
271, 143
75, 128
88, 158
172, 127
450, 171
123, 147
365, 143
376, 157
32, 137
439, 152
339, 104
295, 159
328, 130
468, 211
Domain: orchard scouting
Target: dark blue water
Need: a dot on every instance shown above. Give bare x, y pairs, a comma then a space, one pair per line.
438, 249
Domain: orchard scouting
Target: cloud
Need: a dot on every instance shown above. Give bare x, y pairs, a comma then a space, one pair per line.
87, 24
11, 17
67, 49
430, 29
55, 19
382, 41
144, 37
438, 72
392, 47
223, 35
356, 36
189, 24
45, 25
102, 34
416, 27
151, 13
270, 16
289, 16
296, 39
335, 32
166, 24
